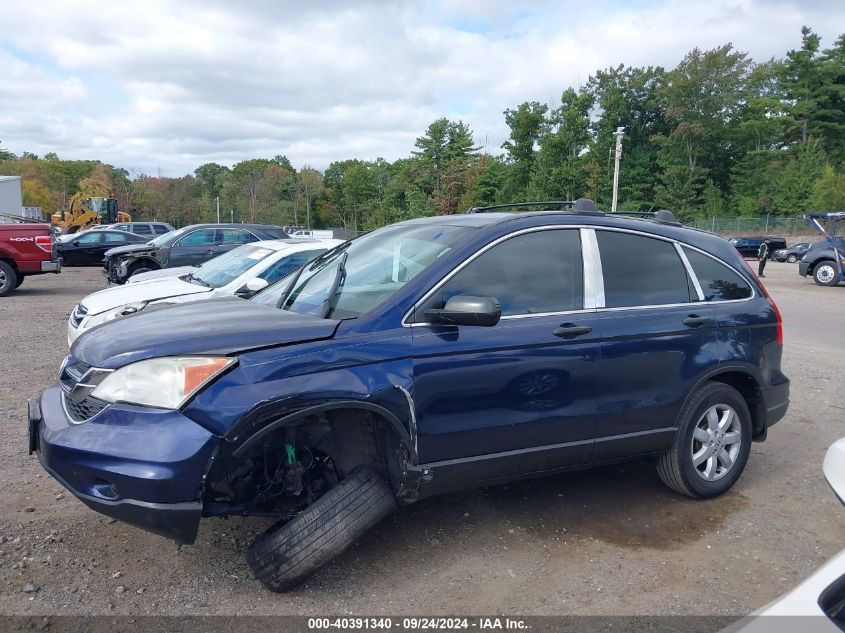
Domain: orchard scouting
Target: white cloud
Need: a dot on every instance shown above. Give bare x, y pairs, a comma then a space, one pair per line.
170, 85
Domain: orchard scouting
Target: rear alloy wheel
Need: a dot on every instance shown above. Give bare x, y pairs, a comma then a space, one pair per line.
712, 443
792, 259
716, 442
825, 274
8, 279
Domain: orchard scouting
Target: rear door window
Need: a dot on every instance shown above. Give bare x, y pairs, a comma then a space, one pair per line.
237, 236
717, 281
113, 237
142, 229
198, 238
160, 229
641, 271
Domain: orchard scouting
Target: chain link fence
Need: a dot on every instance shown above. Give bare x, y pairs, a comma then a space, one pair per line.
768, 225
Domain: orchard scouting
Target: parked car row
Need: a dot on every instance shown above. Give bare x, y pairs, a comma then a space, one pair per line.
241, 272
188, 246
421, 358
749, 246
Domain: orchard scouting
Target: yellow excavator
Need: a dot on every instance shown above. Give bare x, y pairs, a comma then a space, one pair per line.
83, 213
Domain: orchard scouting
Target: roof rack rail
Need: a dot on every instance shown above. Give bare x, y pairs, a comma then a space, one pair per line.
581, 204
663, 216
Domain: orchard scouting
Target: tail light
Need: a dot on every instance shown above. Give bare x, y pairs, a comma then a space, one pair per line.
45, 243
769, 297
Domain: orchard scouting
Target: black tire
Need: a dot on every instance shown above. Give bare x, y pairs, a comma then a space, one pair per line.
676, 467
139, 270
8, 278
792, 259
288, 552
825, 273
19, 281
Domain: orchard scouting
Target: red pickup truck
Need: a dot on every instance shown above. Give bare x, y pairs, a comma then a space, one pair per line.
25, 249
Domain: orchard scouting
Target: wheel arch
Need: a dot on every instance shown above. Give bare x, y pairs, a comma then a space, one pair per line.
9, 260
282, 420
364, 433
744, 380
151, 262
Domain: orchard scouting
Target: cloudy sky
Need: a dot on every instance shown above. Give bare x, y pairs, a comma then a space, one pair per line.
162, 87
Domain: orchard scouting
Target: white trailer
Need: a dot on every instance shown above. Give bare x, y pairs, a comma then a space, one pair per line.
11, 201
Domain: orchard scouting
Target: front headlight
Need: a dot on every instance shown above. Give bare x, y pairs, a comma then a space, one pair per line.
114, 313
161, 382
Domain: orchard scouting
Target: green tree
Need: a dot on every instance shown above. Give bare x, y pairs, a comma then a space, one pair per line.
526, 126
828, 191
443, 142
796, 181
559, 171
801, 76
702, 98
626, 97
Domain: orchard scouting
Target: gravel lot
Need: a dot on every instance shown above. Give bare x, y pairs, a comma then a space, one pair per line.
606, 541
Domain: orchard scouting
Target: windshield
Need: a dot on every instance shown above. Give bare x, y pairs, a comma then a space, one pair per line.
229, 266
168, 238
356, 277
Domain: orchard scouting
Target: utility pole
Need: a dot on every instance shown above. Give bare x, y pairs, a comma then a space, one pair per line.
232, 211
218, 209
617, 155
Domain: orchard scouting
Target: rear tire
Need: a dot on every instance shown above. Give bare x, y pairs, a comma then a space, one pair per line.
792, 259
290, 551
8, 279
825, 273
711, 446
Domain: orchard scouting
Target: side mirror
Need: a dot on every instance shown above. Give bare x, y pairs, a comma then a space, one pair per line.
467, 310
252, 286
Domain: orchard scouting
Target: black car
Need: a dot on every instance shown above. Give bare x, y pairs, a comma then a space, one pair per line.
748, 246
89, 248
189, 246
791, 254
819, 262
422, 358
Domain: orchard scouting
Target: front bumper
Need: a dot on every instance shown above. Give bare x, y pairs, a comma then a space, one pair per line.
53, 266
140, 465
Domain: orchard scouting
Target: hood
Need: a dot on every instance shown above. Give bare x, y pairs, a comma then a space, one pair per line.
163, 273
130, 248
218, 326
130, 293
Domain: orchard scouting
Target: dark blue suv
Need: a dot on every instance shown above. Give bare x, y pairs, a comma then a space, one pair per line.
422, 358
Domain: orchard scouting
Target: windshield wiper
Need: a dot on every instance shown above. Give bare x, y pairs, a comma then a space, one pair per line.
340, 275
283, 300
191, 279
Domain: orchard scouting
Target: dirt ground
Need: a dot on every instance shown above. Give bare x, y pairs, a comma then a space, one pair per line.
607, 541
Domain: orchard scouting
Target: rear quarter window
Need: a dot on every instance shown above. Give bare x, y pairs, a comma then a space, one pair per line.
717, 281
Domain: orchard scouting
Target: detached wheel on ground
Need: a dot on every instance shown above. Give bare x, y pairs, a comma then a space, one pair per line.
8, 279
288, 552
712, 443
825, 273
